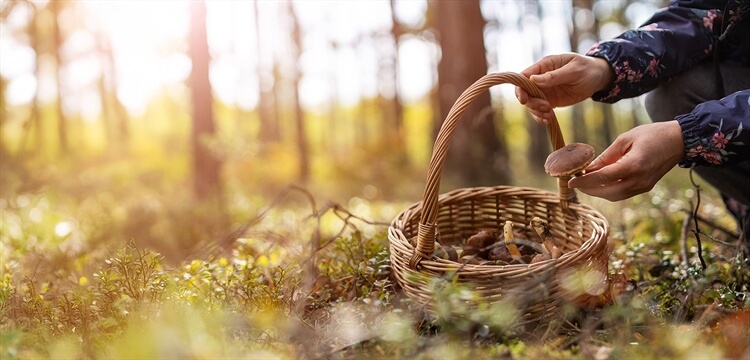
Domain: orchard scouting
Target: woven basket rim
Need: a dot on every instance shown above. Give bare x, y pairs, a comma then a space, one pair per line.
414, 211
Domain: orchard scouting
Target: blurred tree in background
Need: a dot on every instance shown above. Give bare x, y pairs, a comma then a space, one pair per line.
476, 155
206, 167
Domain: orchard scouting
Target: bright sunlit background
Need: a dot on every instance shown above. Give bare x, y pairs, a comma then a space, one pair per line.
339, 61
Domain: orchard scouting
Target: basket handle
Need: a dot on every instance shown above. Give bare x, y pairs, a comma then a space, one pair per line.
427, 226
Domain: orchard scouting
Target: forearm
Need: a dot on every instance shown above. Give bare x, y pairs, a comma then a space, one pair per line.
670, 42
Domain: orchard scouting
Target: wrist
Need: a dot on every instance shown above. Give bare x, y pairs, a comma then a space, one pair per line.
606, 75
673, 134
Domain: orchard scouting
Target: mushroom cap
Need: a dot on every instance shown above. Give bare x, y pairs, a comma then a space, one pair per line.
569, 160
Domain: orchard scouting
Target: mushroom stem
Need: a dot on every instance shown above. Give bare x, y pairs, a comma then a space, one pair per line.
538, 258
508, 234
541, 227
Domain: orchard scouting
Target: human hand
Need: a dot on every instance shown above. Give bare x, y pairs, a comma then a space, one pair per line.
565, 79
634, 162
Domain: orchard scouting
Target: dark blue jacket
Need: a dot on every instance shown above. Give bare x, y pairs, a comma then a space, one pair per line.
674, 39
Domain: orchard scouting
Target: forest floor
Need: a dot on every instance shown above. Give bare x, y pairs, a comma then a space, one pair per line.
297, 277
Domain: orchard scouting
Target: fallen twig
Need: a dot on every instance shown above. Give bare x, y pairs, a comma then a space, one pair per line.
684, 235
696, 230
712, 224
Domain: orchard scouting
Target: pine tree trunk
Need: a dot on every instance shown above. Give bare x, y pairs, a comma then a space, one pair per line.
303, 147
539, 147
476, 156
206, 168
62, 130
395, 127
269, 124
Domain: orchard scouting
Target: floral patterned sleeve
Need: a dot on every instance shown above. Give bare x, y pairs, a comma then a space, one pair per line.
671, 41
716, 132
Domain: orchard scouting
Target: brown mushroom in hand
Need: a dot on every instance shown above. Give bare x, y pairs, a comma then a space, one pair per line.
550, 248
569, 160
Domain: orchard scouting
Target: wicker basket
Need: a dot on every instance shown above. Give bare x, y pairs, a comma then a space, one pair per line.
539, 288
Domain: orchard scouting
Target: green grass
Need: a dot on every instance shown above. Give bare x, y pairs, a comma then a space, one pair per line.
316, 282
108, 256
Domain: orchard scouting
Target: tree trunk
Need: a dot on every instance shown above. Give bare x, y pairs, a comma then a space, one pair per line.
106, 113
476, 156
62, 132
206, 168
121, 128
35, 121
580, 128
269, 124
299, 116
539, 146
605, 130
394, 127
102, 49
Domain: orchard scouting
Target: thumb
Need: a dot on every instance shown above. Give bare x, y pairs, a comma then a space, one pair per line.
554, 78
609, 156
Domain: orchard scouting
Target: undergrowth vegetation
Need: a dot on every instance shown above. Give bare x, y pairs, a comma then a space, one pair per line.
296, 279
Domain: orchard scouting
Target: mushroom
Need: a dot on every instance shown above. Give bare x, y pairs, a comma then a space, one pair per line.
569, 160
482, 241
470, 259
469, 251
445, 252
509, 238
499, 252
550, 248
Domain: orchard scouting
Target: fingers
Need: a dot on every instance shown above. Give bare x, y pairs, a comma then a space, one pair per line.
538, 67
610, 155
623, 170
557, 77
546, 73
624, 187
602, 177
616, 191
611, 183
522, 95
540, 109
550, 72
547, 63
608, 167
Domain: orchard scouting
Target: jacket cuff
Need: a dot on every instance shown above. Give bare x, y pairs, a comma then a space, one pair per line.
612, 93
703, 147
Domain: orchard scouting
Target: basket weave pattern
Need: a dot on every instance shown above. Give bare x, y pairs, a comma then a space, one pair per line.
580, 230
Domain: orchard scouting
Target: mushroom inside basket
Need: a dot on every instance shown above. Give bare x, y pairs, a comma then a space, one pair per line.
493, 247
